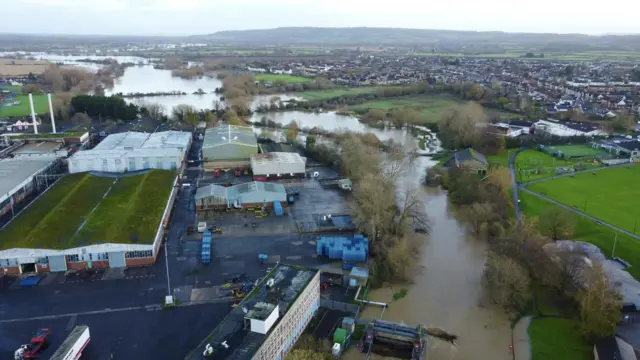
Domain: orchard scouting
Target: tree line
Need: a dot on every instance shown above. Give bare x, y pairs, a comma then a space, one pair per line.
517, 258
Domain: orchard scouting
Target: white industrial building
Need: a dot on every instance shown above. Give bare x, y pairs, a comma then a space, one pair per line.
278, 164
134, 151
266, 325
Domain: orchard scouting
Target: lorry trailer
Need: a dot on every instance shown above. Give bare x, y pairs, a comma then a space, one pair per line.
74, 344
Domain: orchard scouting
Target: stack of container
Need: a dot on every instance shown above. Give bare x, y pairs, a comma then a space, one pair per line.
277, 208
349, 250
206, 248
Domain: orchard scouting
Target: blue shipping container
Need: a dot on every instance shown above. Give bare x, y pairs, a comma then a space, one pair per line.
277, 208
29, 281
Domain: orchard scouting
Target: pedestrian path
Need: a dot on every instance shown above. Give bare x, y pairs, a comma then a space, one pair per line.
521, 343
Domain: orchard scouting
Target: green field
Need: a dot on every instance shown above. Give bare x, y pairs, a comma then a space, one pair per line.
283, 77
533, 165
610, 195
577, 151
73, 212
16, 88
553, 338
627, 248
40, 103
333, 93
429, 106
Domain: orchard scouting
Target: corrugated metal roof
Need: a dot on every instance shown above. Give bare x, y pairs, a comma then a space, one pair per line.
236, 191
141, 140
229, 134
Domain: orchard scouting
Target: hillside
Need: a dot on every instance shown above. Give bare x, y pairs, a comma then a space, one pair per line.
397, 36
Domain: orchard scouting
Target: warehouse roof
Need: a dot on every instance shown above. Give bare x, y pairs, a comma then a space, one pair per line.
141, 140
15, 172
276, 157
229, 134
243, 343
121, 153
236, 191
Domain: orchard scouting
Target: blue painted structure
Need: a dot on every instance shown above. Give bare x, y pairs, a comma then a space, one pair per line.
277, 208
350, 250
206, 248
30, 281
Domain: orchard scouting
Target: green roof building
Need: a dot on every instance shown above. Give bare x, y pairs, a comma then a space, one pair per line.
229, 143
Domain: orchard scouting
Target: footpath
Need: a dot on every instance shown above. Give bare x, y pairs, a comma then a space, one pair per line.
521, 343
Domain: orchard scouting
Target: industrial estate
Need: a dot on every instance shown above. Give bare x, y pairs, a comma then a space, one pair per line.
337, 201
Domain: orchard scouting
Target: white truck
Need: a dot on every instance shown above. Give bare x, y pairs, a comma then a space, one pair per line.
74, 344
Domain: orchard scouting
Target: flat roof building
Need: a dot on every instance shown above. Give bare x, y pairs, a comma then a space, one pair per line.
229, 145
247, 195
269, 320
19, 176
278, 164
134, 151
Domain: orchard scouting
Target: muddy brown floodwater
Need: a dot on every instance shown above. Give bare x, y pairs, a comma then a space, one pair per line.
446, 290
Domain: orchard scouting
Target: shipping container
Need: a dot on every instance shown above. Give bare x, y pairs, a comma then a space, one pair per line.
277, 208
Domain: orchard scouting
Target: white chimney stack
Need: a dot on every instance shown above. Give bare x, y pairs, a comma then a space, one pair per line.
53, 121
33, 114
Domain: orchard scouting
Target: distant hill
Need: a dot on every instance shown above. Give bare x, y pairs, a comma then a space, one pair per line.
413, 37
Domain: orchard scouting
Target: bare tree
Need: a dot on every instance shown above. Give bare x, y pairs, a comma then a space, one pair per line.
156, 111
599, 304
478, 216
292, 131
459, 126
411, 213
508, 282
81, 118
557, 223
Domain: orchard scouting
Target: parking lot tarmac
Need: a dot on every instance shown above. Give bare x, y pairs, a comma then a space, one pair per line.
140, 334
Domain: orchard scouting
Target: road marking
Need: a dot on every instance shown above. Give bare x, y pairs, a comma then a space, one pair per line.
150, 307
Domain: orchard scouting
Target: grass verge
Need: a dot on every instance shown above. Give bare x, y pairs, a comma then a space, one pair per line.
555, 338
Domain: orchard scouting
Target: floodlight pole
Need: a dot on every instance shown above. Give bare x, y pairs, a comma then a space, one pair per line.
615, 241
166, 261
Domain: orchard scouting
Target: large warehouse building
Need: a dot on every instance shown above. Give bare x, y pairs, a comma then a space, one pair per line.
267, 324
22, 175
213, 197
134, 151
276, 165
228, 146
82, 222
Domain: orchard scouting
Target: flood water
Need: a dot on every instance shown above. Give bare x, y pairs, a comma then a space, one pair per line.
446, 291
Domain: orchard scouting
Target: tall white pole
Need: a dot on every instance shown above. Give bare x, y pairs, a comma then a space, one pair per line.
53, 121
33, 114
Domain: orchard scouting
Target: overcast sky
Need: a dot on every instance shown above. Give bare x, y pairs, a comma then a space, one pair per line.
189, 17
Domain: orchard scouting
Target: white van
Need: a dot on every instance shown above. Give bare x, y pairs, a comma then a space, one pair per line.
202, 227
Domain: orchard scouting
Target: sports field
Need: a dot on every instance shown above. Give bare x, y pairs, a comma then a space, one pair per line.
429, 106
40, 103
282, 77
333, 93
75, 212
576, 151
534, 165
589, 231
610, 194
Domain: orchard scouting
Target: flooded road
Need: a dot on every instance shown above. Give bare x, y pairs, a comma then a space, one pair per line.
447, 291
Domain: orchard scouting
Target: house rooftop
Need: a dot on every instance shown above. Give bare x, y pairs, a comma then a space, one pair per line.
234, 330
